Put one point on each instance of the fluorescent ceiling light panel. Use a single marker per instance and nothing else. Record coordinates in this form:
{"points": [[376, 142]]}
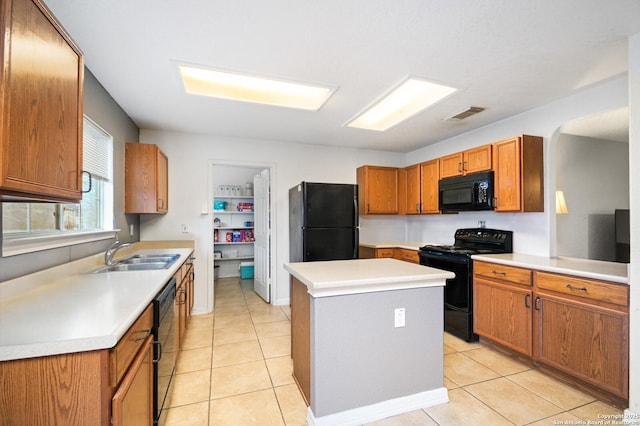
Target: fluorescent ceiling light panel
{"points": [[248, 88], [408, 99]]}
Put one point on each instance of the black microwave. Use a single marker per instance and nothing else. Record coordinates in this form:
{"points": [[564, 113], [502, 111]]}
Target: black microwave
{"points": [[466, 193]]}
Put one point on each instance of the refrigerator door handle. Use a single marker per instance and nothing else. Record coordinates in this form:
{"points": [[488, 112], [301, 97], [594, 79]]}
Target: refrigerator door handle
{"points": [[356, 229], [356, 243], [355, 212]]}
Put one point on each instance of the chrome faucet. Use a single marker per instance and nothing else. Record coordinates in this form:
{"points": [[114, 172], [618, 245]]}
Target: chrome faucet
{"points": [[112, 250]]}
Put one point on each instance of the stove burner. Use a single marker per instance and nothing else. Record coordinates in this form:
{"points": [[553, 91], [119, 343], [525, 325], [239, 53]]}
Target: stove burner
{"points": [[475, 241]]}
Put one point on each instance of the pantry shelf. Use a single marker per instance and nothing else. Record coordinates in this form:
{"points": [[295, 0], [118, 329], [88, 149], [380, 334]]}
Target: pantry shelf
{"points": [[233, 232]]}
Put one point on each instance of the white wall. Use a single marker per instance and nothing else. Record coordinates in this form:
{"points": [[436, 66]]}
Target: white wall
{"points": [[190, 192], [594, 176]]}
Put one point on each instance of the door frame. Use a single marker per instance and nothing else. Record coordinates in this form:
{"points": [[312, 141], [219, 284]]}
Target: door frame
{"points": [[272, 212]]}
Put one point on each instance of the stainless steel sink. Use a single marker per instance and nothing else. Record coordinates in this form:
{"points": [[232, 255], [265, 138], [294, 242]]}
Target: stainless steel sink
{"points": [[141, 262], [149, 259], [118, 267]]}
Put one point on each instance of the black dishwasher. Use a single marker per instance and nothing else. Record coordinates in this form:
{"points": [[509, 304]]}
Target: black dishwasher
{"points": [[165, 345]]}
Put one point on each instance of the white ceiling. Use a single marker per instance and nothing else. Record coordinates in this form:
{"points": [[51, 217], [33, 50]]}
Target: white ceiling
{"points": [[508, 56]]}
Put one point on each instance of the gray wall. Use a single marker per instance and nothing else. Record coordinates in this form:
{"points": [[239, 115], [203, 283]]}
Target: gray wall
{"points": [[101, 108], [594, 175], [359, 358]]}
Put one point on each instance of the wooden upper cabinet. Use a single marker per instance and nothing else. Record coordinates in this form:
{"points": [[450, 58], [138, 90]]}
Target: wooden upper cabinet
{"points": [[377, 189], [411, 203], [419, 188], [430, 174], [466, 162], [41, 105], [519, 174], [451, 165], [146, 179]]}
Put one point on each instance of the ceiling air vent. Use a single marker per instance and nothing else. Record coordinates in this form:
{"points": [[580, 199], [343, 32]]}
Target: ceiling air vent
{"points": [[464, 114]]}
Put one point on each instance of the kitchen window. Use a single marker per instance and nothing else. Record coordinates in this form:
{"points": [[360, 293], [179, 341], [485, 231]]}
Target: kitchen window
{"points": [[28, 227]]}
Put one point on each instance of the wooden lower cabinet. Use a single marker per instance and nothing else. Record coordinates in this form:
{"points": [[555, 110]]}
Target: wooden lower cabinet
{"points": [[375, 253], [582, 328], [182, 301], [503, 313], [301, 337], [575, 325], [407, 255], [393, 252], [585, 341], [80, 388], [132, 404]]}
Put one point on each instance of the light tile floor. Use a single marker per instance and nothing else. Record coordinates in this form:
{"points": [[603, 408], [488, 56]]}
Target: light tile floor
{"points": [[236, 370]]}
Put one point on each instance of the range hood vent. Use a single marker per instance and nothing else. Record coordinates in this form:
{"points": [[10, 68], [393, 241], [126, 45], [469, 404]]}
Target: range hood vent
{"points": [[464, 114]]}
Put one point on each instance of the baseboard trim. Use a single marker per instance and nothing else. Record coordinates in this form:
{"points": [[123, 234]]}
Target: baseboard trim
{"points": [[381, 410]]}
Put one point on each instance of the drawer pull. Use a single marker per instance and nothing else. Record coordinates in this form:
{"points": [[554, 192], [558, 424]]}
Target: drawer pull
{"points": [[499, 273], [570, 287], [146, 333]]}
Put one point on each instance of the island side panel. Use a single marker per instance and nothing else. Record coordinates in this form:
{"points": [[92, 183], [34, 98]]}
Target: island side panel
{"points": [[358, 356], [300, 339]]}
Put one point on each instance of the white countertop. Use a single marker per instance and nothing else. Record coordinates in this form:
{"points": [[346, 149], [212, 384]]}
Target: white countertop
{"points": [[67, 309], [607, 271], [341, 277]]}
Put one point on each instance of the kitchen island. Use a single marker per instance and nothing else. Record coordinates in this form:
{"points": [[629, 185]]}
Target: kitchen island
{"points": [[366, 338]]}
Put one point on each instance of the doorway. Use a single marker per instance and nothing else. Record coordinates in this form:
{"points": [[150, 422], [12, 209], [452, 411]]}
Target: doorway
{"points": [[243, 234], [592, 174]]}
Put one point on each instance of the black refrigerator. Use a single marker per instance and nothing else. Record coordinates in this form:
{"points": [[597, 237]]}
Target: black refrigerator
{"points": [[323, 222]]}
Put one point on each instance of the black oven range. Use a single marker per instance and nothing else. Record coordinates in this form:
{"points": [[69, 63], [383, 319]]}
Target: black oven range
{"points": [[458, 293]]}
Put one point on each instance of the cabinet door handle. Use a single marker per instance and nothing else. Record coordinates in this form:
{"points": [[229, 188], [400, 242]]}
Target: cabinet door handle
{"points": [[159, 346], [90, 181], [537, 305], [463, 165], [527, 301], [504, 274], [570, 287], [459, 167], [184, 300], [418, 207]]}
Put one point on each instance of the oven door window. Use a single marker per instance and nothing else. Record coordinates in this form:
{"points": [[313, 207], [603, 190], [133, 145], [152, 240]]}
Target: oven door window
{"points": [[457, 291]]}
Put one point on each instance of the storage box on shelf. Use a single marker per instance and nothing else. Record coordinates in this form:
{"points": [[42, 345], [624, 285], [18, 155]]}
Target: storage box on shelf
{"points": [[233, 233]]}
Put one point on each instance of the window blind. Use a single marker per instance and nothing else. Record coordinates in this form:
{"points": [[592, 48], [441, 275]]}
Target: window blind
{"points": [[97, 151]]}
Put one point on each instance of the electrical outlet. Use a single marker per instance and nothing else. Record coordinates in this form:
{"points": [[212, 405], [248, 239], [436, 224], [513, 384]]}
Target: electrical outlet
{"points": [[184, 228], [399, 317]]}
